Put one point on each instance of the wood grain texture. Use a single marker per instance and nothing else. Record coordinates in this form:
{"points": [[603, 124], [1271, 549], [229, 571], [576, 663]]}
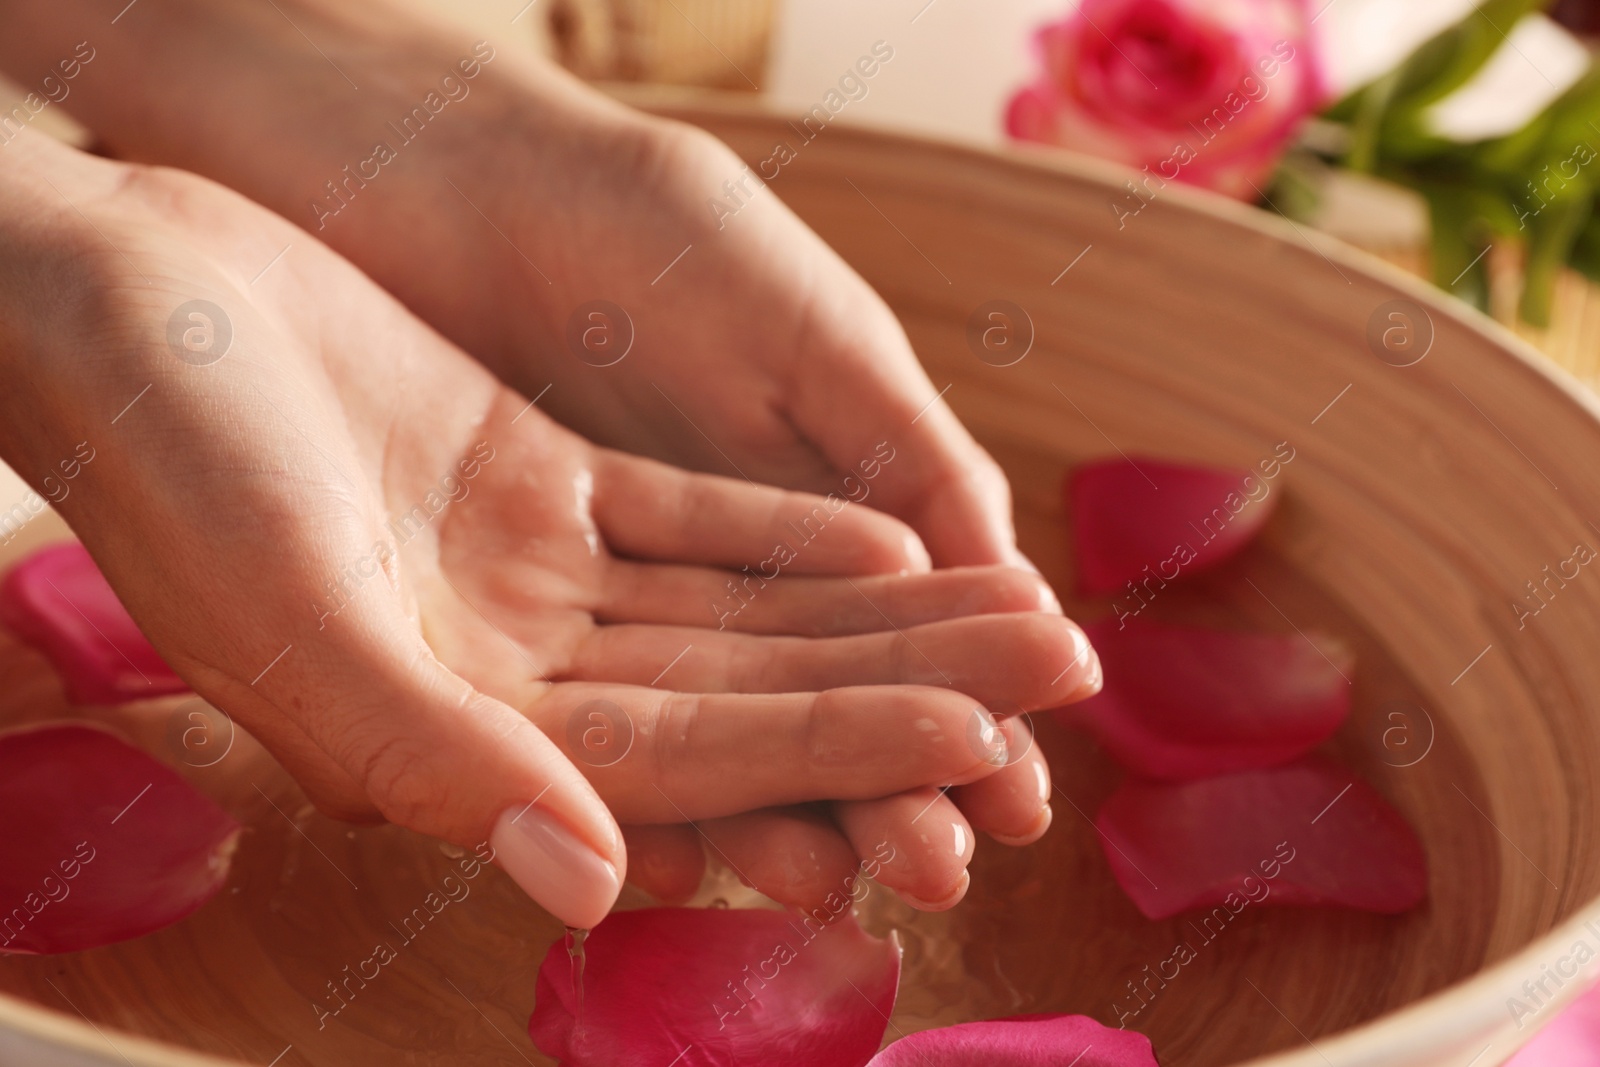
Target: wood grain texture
{"points": [[1419, 502]]}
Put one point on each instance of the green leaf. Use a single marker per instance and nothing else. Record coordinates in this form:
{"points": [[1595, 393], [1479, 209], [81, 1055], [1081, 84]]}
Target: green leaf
{"points": [[1437, 68], [1447, 60], [1366, 122], [1458, 242], [1551, 237], [1296, 185], [1585, 256], [1550, 137]]}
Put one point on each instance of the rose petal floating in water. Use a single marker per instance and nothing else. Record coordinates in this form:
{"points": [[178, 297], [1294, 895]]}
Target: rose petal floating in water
{"points": [[100, 842], [1182, 703], [1024, 1041], [700, 987], [58, 601], [1309, 832], [1572, 1039], [1174, 519]]}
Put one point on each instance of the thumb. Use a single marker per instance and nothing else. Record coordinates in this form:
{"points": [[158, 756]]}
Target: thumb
{"points": [[437, 756], [431, 753]]}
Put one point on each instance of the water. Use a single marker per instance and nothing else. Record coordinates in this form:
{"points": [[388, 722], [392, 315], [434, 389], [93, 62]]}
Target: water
{"points": [[574, 941]]}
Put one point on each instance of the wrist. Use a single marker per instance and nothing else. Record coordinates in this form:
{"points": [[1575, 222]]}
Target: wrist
{"points": [[53, 371]]}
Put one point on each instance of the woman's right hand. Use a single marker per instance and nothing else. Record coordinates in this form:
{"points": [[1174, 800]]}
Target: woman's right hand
{"points": [[344, 532]]}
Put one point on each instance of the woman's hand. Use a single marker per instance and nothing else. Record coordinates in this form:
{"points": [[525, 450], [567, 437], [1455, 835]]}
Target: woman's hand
{"points": [[343, 531], [499, 199]]}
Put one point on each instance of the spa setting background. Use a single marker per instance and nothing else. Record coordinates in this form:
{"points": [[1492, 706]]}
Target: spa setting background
{"points": [[1303, 179], [957, 64]]}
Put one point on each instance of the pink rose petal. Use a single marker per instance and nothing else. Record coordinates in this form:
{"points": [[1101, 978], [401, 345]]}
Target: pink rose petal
{"points": [[58, 601], [1024, 1041], [698, 987], [1148, 522], [1182, 703], [100, 842], [1309, 832], [1030, 115], [1572, 1039]]}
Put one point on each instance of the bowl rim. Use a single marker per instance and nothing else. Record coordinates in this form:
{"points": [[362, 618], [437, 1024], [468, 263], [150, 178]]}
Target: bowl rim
{"points": [[1447, 1022], [1444, 1021]]}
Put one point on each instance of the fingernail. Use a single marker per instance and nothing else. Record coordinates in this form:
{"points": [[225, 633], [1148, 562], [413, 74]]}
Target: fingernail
{"points": [[949, 901], [1087, 662], [987, 739], [1030, 835], [566, 877], [917, 553], [1095, 681]]}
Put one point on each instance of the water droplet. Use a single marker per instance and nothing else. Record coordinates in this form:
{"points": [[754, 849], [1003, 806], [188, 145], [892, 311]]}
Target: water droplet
{"points": [[574, 941]]}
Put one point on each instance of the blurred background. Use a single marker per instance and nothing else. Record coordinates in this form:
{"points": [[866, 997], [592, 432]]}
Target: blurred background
{"points": [[1460, 141]]}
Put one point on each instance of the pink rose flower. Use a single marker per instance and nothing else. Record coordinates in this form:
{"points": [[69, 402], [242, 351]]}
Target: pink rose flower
{"points": [[1201, 91]]}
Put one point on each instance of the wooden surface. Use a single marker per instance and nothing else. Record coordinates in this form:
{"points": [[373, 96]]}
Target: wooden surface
{"points": [[1419, 501]]}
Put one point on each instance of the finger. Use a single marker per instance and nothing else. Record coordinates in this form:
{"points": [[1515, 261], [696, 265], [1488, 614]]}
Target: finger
{"points": [[956, 496], [931, 473], [795, 855], [924, 841], [1012, 805], [657, 756], [649, 510], [814, 606], [1010, 663], [668, 862]]}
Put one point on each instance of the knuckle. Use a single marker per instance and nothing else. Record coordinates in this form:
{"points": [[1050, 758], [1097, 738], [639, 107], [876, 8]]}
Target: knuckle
{"points": [[1011, 590], [825, 746], [400, 780], [908, 665], [989, 480], [672, 732], [674, 155]]}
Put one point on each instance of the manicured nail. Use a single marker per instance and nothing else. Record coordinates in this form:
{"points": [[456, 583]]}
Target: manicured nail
{"points": [[1096, 679], [566, 877], [1032, 834], [1086, 661], [949, 901], [917, 553], [987, 738]]}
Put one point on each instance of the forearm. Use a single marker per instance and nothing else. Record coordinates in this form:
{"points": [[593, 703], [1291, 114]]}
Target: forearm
{"points": [[61, 381], [176, 80], [351, 119]]}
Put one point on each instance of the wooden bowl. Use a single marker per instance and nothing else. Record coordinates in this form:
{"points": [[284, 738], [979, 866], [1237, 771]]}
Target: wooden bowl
{"points": [[1438, 467]]}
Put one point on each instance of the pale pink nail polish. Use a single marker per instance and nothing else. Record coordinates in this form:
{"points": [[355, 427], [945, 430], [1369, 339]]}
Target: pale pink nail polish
{"points": [[917, 553], [1092, 677], [949, 901], [566, 877], [1030, 835]]}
